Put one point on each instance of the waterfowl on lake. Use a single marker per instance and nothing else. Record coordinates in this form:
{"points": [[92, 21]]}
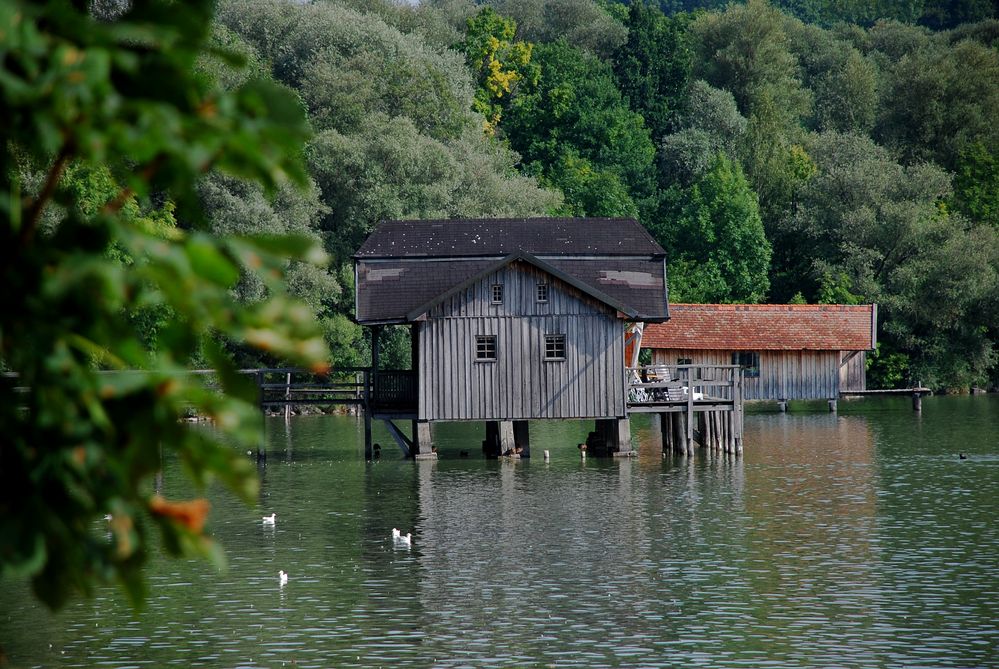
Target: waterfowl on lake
{"points": [[405, 539], [269, 520], [396, 533], [282, 577], [962, 456]]}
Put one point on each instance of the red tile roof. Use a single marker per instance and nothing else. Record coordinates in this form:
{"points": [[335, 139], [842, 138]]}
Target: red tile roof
{"points": [[781, 327]]}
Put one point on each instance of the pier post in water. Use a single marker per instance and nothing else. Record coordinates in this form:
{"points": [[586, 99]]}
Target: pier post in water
{"points": [[499, 438], [621, 429], [522, 437], [423, 443]]}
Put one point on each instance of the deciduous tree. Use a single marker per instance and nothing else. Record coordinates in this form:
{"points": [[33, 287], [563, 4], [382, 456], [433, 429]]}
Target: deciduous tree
{"points": [[79, 442]]}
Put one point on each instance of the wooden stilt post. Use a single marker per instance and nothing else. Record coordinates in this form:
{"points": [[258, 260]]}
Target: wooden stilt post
{"points": [[287, 397], [366, 410], [917, 402], [681, 433], [715, 431], [669, 432], [689, 446], [721, 431], [621, 428], [727, 422], [667, 429], [739, 416], [423, 445]]}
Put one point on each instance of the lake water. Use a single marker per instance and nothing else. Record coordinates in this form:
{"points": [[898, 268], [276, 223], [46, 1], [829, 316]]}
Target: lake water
{"points": [[856, 539]]}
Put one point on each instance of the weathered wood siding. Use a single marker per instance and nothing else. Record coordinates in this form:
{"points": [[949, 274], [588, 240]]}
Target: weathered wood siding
{"points": [[520, 384], [792, 375], [853, 370]]}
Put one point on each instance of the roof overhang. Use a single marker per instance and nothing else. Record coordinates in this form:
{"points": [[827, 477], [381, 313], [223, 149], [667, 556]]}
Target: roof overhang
{"points": [[628, 313]]}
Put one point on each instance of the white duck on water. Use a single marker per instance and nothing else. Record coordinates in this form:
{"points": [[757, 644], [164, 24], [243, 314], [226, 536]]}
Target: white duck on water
{"points": [[282, 577], [269, 520]]}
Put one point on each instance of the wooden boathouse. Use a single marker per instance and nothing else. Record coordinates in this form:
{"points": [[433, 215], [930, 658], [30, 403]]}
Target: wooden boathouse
{"points": [[787, 351], [511, 320]]}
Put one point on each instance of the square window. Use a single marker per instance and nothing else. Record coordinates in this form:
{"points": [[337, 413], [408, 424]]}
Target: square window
{"points": [[750, 362], [555, 347], [485, 347], [497, 293], [542, 292]]}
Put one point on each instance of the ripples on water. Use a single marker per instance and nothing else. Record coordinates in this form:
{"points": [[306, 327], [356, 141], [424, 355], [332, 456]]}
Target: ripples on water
{"points": [[857, 540]]}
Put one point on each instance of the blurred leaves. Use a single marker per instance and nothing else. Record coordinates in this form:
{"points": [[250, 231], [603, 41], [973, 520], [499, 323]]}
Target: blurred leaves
{"points": [[107, 126]]}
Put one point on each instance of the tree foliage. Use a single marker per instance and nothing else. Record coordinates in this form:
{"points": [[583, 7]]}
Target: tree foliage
{"points": [[399, 131], [582, 23], [106, 129], [577, 113], [720, 251], [653, 66], [878, 229], [501, 64]]}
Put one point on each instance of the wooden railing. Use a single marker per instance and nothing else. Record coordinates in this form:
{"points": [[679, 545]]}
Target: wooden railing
{"points": [[283, 386], [664, 384], [394, 391]]}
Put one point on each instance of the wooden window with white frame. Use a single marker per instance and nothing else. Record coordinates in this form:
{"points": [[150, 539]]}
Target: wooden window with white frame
{"points": [[497, 293], [542, 292], [554, 347], [485, 348]]}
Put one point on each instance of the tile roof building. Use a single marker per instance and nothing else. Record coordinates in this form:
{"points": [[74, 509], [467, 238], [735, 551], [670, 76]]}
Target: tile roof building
{"points": [[789, 351]]}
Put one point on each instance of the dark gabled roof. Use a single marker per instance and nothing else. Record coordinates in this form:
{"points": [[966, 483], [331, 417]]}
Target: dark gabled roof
{"points": [[765, 327], [543, 266], [406, 266], [503, 236]]}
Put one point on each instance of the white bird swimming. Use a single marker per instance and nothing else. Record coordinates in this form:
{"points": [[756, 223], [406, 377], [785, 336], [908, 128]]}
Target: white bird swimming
{"points": [[269, 520], [282, 577], [396, 533], [405, 539]]}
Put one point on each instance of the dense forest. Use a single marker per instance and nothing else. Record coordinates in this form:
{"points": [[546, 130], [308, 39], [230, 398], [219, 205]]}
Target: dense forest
{"points": [[802, 151], [794, 151]]}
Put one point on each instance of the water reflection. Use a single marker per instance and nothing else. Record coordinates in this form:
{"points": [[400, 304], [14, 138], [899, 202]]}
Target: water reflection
{"points": [[837, 540]]}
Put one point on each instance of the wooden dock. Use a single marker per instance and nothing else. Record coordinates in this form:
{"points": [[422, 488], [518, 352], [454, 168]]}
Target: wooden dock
{"points": [[916, 394], [695, 403]]}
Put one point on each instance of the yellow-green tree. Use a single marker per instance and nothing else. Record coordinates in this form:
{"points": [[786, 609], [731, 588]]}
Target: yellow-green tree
{"points": [[500, 63]]}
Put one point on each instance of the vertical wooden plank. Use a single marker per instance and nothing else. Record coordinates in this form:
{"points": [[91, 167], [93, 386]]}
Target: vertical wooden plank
{"points": [[568, 388], [535, 371], [462, 384], [428, 399], [516, 373], [510, 389], [447, 373]]}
